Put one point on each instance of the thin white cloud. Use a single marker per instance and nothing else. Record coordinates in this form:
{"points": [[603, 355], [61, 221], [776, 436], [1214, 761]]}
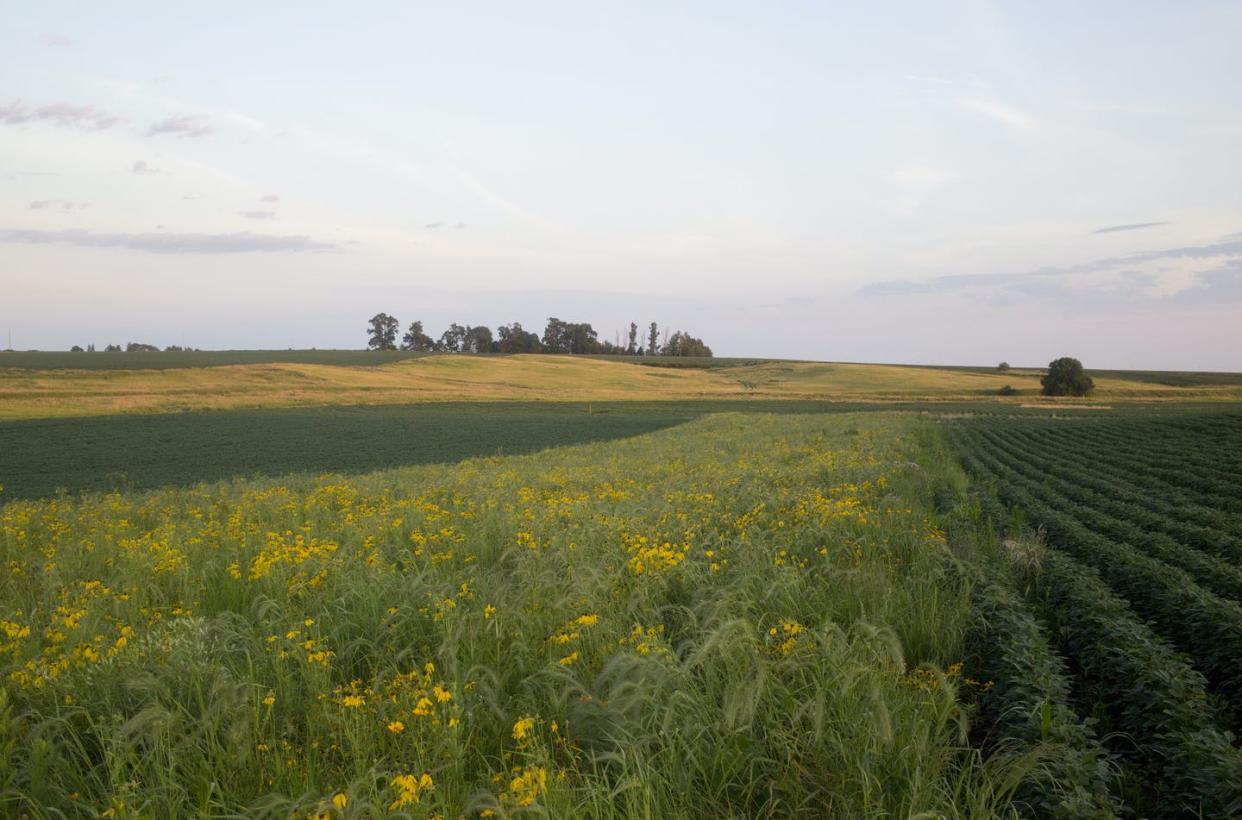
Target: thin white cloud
{"points": [[269, 198], [182, 126], [1006, 114], [65, 115], [143, 167], [57, 204], [258, 214], [1209, 273], [914, 183], [1134, 226], [57, 41], [169, 243]]}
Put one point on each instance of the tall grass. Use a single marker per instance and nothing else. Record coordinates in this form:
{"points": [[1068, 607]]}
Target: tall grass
{"points": [[743, 616]]}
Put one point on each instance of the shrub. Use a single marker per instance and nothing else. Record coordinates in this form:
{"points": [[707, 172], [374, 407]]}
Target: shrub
{"points": [[1008, 390], [1066, 377]]}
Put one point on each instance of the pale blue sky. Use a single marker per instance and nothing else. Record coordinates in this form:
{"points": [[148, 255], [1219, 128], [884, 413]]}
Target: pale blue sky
{"points": [[942, 183]]}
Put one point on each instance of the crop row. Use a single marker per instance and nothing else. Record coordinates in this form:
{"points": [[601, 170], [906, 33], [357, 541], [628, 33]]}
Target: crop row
{"points": [[1152, 694], [1217, 569], [1147, 688], [1126, 448], [1148, 446], [1217, 511], [1027, 705], [1201, 623]]}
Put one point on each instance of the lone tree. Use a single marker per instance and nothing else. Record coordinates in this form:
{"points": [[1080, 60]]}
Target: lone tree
{"points": [[1003, 366], [653, 339], [1066, 378], [383, 329]]}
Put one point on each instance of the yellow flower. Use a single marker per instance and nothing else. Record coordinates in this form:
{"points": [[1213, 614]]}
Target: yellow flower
{"points": [[526, 785], [396, 727], [522, 728], [339, 799], [442, 695], [488, 612], [423, 707], [569, 659], [353, 701], [269, 700], [408, 789]]}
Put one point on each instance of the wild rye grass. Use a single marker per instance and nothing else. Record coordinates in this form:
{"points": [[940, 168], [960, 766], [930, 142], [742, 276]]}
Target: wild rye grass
{"points": [[742, 616]]}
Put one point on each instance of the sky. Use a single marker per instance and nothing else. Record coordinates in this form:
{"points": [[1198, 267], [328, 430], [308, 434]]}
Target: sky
{"points": [[942, 183]]}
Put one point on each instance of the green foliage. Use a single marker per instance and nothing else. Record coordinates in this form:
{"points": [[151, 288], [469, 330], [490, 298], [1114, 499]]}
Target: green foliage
{"points": [[1008, 390], [749, 616], [513, 339], [570, 337], [1141, 521], [141, 452], [382, 330], [1025, 702], [1152, 693], [683, 344], [416, 339], [1066, 377]]}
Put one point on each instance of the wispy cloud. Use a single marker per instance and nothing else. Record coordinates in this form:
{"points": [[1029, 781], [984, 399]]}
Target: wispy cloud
{"points": [[1131, 227], [269, 198], [182, 126], [258, 214], [914, 183], [170, 243], [1184, 274], [59, 204], [143, 167], [57, 41], [66, 115], [1002, 113]]}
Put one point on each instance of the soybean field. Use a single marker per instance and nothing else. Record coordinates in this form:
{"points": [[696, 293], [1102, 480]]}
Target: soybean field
{"points": [[1109, 622]]}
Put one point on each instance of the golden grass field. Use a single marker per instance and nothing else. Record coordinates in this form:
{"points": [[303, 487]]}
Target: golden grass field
{"points": [[65, 393]]}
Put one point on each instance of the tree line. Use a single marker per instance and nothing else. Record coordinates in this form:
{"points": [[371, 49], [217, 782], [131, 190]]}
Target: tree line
{"points": [[558, 337], [131, 347]]}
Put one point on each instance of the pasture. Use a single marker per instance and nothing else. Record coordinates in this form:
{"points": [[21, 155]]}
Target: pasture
{"points": [[44, 393]]}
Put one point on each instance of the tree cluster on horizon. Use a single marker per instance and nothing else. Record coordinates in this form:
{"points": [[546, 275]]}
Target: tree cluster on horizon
{"points": [[558, 337]]}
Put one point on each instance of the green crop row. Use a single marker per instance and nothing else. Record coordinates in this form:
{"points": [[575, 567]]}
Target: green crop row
{"points": [[1114, 519], [1203, 624], [1026, 706], [1153, 695], [1211, 509]]}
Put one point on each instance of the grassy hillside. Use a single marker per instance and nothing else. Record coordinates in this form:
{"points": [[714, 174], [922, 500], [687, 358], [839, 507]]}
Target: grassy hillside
{"points": [[50, 393]]}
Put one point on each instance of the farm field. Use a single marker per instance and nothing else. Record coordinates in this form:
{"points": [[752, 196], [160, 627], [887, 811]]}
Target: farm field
{"points": [[45, 393], [760, 588], [746, 614], [1111, 613], [145, 451]]}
